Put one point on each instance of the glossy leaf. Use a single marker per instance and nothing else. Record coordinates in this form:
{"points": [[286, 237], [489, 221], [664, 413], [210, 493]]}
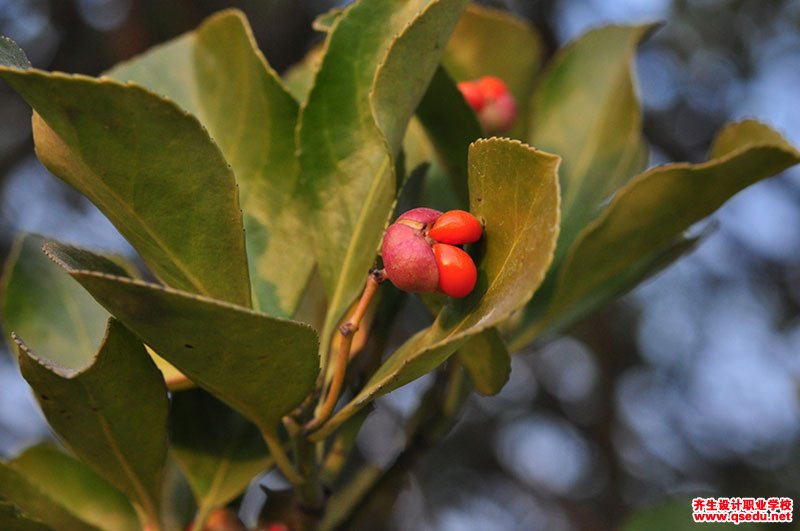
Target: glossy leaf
{"points": [[12, 518], [586, 110], [514, 190], [217, 449], [491, 42], [31, 503], [260, 365], [76, 488], [370, 81], [218, 74], [100, 412], [142, 160], [487, 361]]}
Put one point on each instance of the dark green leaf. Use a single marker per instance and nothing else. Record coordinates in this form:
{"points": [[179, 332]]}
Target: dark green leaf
{"points": [[487, 361], [100, 413], [260, 365], [76, 488], [378, 61], [451, 126], [514, 190], [218, 74], [12, 518], [218, 450], [586, 110], [34, 504], [490, 42], [143, 161]]}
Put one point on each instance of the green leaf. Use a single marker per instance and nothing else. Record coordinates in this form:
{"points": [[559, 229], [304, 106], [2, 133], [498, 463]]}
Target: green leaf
{"points": [[12, 518], [487, 362], [647, 215], [514, 190], [451, 126], [586, 110], [217, 449], [42, 303], [260, 365], [76, 488], [112, 414], [378, 61], [218, 74], [490, 42], [299, 78], [143, 161], [29, 501]]}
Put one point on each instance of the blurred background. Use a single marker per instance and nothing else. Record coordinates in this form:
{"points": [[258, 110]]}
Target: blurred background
{"points": [[687, 386]]}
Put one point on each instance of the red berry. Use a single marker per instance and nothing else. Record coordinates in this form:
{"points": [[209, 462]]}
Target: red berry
{"points": [[456, 227], [473, 94], [457, 272]]}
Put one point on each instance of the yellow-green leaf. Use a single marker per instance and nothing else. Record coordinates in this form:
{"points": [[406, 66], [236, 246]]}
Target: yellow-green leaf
{"points": [[219, 75], [378, 59], [649, 214], [262, 366], [75, 487], [40, 302], [142, 160], [100, 411], [586, 110]]}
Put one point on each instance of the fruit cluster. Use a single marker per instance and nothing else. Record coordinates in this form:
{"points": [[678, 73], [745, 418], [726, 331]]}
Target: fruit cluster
{"points": [[491, 100], [420, 252]]}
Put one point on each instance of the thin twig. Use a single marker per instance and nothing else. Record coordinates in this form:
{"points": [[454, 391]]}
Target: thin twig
{"points": [[281, 459], [348, 330]]}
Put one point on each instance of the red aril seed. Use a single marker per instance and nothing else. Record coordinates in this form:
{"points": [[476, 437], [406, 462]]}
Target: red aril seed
{"points": [[492, 87], [473, 94], [457, 272], [456, 227]]}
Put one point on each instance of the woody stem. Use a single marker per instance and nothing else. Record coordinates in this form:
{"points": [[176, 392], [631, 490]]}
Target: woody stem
{"points": [[348, 330]]}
